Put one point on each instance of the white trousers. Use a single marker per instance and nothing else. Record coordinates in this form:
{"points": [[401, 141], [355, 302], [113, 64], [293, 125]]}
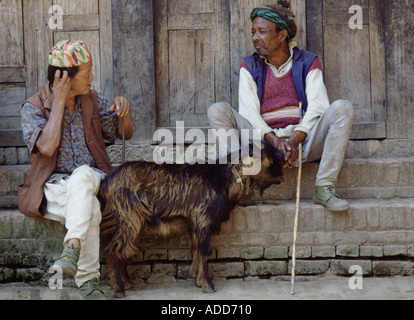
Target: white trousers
{"points": [[327, 141], [72, 201]]}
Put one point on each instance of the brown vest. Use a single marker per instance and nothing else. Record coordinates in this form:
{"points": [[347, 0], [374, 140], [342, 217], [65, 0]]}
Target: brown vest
{"points": [[31, 194]]}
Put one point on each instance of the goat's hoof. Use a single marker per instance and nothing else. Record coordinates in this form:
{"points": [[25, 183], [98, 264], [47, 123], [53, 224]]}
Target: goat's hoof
{"points": [[128, 285], [119, 295], [208, 290]]}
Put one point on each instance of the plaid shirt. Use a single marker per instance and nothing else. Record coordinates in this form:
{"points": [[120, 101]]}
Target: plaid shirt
{"points": [[73, 151]]}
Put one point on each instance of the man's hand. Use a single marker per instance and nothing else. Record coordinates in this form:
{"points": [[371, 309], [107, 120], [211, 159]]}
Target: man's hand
{"points": [[122, 105], [61, 87], [288, 148]]}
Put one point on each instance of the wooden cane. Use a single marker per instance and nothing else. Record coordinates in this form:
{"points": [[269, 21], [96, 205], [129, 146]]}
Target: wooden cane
{"points": [[123, 140], [298, 190]]}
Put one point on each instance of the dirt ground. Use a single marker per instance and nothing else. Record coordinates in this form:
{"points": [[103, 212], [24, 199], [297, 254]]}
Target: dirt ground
{"points": [[170, 289]]}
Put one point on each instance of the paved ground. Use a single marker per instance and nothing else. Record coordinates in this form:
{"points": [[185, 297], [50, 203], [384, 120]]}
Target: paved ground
{"points": [[307, 288]]}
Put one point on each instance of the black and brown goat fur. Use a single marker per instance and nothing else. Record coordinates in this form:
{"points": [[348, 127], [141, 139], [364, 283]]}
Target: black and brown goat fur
{"points": [[139, 194]]}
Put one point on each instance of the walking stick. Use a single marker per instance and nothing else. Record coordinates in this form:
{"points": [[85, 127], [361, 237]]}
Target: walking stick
{"points": [[123, 140], [298, 190]]}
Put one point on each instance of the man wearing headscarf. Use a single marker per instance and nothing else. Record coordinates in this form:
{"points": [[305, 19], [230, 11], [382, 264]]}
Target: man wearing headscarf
{"points": [[273, 83], [64, 126]]}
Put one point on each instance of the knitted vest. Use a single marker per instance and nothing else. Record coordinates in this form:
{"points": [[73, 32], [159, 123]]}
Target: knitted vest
{"points": [[302, 61], [31, 194]]}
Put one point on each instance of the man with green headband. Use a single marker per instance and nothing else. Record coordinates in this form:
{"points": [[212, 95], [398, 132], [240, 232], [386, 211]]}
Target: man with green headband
{"points": [[274, 82]]}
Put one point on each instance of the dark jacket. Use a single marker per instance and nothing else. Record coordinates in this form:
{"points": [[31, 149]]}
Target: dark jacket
{"points": [[31, 194]]}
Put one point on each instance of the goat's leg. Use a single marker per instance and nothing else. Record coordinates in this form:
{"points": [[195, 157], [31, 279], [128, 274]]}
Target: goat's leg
{"points": [[193, 273], [126, 279], [114, 265], [204, 280], [203, 251]]}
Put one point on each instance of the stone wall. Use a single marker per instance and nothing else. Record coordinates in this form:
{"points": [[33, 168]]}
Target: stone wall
{"points": [[376, 235]]}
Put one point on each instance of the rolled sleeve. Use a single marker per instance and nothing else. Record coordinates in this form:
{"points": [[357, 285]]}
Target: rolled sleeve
{"points": [[33, 122]]}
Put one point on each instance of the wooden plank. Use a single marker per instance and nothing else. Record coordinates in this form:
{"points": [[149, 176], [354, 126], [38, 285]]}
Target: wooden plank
{"points": [[221, 47], [299, 10], [11, 26], [182, 71], [38, 40], [190, 119], [342, 17], [377, 53], [161, 67], [369, 130], [204, 77], [73, 7], [347, 72], [399, 60], [193, 72], [12, 74], [133, 43], [80, 22], [105, 34], [187, 134], [344, 4], [189, 7], [195, 21], [315, 29]]}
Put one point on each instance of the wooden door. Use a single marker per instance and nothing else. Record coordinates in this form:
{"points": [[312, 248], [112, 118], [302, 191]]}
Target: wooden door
{"points": [[353, 59], [192, 63], [12, 71], [241, 44], [90, 21], [199, 46], [29, 37]]}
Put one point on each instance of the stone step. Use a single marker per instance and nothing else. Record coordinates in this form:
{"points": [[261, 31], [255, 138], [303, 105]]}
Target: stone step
{"points": [[255, 237], [359, 178]]}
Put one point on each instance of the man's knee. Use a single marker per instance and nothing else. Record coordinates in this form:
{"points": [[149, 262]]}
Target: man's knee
{"points": [[344, 108], [85, 177], [218, 110]]}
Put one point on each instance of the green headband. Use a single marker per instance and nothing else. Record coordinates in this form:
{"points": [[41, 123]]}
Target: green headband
{"points": [[272, 16]]}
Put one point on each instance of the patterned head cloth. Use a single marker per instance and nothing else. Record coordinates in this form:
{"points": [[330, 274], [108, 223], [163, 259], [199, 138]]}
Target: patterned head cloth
{"points": [[68, 54], [269, 14]]}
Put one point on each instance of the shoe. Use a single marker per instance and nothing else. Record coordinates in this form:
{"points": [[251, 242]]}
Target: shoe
{"points": [[327, 197], [68, 261], [90, 291]]}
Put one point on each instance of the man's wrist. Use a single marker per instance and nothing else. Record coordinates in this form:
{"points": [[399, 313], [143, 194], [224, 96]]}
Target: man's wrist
{"points": [[269, 136]]}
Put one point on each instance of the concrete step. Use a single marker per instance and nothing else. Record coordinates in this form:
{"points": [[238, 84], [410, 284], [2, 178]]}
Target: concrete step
{"points": [[382, 178], [377, 234]]}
